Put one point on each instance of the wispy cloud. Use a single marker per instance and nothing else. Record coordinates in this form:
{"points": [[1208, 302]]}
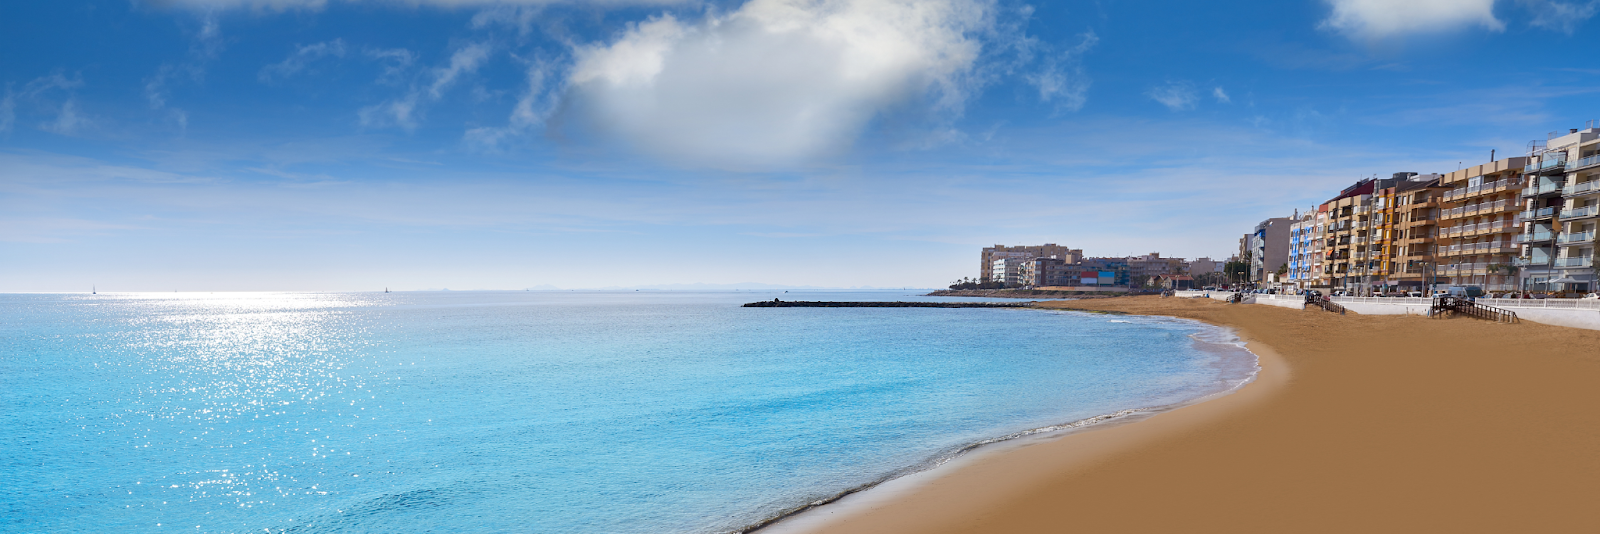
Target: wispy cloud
{"points": [[46, 92], [1383, 19], [1061, 79], [1220, 95], [535, 105], [404, 111], [1560, 16], [1176, 96], [396, 61], [301, 58]]}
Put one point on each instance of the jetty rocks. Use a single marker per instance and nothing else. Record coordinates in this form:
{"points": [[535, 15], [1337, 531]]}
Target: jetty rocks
{"points": [[775, 303]]}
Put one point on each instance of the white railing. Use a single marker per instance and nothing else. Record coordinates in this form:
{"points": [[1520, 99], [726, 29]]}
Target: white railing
{"points": [[1570, 304]]}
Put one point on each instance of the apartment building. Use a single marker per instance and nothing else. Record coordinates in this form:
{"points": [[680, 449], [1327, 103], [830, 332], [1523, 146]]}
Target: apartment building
{"points": [[1345, 243], [1269, 248], [1478, 222], [1416, 214], [1576, 156], [1204, 265], [1304, 264], [1020, 253], [1041, 272], [1152, 265]]}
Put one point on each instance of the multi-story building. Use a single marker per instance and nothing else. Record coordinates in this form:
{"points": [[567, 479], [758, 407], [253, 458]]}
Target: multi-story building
{"points": [[1026, 252], [1041, 272], [1478, 222], [1204, 265], [1149, 266], [1118, 267], [1269, 248], [1416, 214], [1576, 155], [1303, 260]]}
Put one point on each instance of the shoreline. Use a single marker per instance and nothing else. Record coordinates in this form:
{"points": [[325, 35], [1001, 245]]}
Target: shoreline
{"points": [[821, 513], [1354, 424]]}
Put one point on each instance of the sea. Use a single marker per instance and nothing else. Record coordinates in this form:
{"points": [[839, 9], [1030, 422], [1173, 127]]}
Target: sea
{"points": [[535, 411]]}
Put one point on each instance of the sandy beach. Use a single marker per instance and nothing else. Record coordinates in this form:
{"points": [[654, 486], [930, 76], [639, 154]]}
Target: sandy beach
{"points": [[1355, 424]]}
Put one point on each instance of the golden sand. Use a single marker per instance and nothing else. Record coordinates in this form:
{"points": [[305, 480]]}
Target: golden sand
{"points": [[1355, 424]]}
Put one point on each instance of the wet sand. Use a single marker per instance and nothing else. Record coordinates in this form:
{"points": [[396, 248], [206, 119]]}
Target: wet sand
{"points": [[1355, 424]]}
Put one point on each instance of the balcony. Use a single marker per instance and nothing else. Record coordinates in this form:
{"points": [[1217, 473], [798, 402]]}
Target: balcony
{"points": [[1574, 262], [1580, 213], [1541, 190], [1541, 213], [1584, 163], [1581, 188], [1584, 237], [1556, 165], [1535, 237]]}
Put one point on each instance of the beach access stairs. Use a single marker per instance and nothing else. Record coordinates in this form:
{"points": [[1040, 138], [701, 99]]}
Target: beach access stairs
{"points": [[1448, 306]]}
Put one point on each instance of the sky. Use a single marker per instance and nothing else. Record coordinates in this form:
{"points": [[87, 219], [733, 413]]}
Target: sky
{"points": [[352, 145]]}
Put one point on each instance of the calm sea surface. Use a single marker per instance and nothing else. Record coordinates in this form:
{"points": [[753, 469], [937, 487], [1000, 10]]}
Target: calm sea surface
{"points": [[605, 412]]}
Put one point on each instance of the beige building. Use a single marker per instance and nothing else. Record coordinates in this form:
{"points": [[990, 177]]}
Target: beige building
{"points": [[1576, 157], [1027, 252], [1478, 224]]}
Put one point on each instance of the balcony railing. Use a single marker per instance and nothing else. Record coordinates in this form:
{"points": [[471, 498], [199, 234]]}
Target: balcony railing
{"points": [[1584, 163], [1584, 237], [1573, 189], [1534, 237], [1541, 189], [1574, 262], [1538, 213], [1586, 211]]}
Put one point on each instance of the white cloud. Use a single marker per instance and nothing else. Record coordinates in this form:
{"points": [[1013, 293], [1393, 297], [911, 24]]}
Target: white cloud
{"points": [[284, 5], [778, 80], [1379, 19], [395, 62], [1176, 96], [404, 111], [1221, 96], [1062, 80], [464, 61], [68, 121], [302, 56], [533, 107], [1561, 16]]}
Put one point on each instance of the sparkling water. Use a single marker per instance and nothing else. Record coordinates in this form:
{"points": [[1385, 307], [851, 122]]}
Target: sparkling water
{"points": [[607, 412]]}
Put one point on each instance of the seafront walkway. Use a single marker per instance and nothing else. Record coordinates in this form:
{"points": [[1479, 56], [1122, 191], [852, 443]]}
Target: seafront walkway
{"points": [[1575, 313]]}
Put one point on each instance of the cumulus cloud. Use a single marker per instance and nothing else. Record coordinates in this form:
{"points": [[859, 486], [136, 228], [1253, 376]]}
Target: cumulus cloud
{"points": [[404, 111], [777, 80], [1564, 17], [1380, 19], [1176, 96], [302, 57], [1221, 96]]}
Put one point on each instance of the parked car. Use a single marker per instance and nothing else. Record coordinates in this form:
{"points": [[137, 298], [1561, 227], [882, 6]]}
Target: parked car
{"points": [[1464, 291]]}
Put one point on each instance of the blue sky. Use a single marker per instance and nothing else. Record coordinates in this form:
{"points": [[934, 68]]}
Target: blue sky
{"points": [[208, 145]]}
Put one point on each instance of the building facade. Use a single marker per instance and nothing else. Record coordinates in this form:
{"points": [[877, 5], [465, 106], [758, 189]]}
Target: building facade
{"points": [[1269, 248], [1026, 252], [1478, 224], [1577, 156]]}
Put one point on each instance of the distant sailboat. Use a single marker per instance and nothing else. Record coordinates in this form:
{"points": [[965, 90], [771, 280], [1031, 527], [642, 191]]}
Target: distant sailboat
{"points": [[93, 290], [386, 290]]}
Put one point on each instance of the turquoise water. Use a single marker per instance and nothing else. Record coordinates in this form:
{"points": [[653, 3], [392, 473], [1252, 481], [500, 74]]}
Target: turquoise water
{"points": [[613, 412]]}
